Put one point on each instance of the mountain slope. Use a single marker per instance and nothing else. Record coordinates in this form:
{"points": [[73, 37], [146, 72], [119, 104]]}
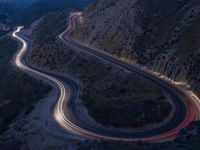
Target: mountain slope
{"points": [[163, 35]]}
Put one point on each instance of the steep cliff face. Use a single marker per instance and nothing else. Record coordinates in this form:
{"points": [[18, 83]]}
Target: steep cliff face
{"points": [[170, 44], [113, 25], [161, 34]]}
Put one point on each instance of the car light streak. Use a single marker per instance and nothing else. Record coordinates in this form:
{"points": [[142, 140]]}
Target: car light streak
{"points": [[59, 115], [192, 107], [62, 117]]}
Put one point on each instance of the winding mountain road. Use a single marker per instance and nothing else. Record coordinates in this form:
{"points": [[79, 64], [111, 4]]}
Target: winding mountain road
{"points": [[65, 113]]}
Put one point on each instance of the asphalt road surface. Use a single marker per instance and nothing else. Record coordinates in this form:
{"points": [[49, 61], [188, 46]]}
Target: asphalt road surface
{"points": [[65, 112]]}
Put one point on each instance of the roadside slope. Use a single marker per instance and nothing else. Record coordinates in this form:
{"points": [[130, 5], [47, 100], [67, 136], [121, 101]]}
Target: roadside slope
{"points": [[161, 35]]}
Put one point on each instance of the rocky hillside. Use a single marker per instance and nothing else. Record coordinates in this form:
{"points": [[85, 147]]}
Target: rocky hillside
{"points": [[161, 34]]}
